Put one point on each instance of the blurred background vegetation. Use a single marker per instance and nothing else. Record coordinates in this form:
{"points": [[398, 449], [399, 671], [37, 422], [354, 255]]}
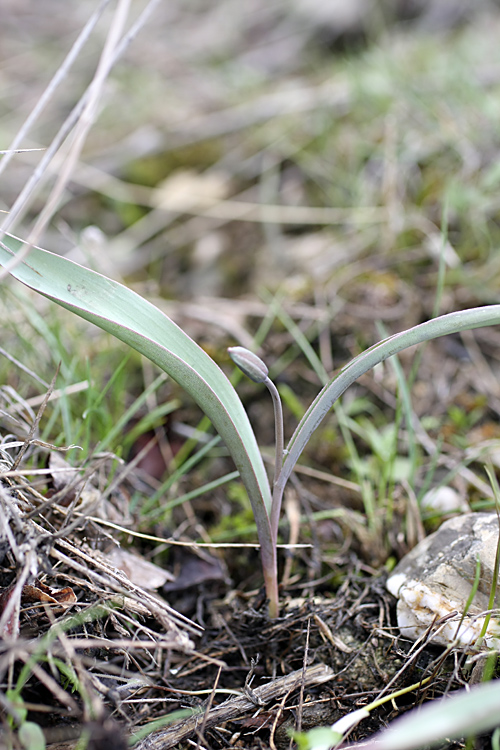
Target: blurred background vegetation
{"points": [[297, 177]]}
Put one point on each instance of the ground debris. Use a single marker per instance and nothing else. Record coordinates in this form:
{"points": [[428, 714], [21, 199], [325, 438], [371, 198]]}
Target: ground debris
{"points": [[238, 706], [75, 625]]}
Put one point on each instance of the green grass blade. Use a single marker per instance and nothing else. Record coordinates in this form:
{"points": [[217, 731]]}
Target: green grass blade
{"points": [[452, 323], [120, 311]]}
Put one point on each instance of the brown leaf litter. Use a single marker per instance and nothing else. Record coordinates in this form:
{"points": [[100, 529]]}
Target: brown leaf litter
{"points": [[88, 644]]}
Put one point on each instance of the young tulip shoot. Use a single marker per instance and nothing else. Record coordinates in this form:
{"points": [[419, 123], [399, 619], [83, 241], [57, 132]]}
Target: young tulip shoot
{"points": [[129, 317], [255, 369]]}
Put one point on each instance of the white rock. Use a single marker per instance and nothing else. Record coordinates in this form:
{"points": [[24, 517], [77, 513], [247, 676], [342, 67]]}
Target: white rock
{"points": [[434, 581]]}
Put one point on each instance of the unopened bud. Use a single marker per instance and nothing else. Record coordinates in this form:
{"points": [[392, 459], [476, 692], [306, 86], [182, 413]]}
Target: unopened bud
{"points": [[249, 363]]}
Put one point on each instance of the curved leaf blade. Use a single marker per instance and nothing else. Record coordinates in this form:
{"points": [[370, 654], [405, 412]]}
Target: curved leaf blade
{"points": [[452, 323], [132, 319]]}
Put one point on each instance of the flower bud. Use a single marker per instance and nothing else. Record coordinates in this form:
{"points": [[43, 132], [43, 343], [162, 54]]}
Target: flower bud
{"points": [[249, 363]]}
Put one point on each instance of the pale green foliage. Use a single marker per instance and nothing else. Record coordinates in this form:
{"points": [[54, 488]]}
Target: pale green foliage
{"points": [[31, 736], [129, 317]]}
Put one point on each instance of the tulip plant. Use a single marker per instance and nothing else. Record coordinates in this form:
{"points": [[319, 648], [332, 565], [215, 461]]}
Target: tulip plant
{"points": [[120, 311]]}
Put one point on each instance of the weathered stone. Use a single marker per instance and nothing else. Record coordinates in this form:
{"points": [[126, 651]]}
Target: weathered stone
{"points": [[434, 582]]}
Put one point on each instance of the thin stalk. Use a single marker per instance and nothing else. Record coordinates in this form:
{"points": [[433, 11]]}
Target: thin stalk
{"points": [[269, 560], [278, 458], [267, 524], [278, 491], [278, 428]]}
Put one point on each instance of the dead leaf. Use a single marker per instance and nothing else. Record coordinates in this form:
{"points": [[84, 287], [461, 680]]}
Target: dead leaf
{"points": [[45, 595], [141, 572]]}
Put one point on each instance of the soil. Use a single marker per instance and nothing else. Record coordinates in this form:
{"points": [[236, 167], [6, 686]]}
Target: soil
{"points": [[245, 681]]}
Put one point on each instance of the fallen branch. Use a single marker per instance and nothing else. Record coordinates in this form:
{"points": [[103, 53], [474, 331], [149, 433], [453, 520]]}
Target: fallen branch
{"points": [[236, 707]]}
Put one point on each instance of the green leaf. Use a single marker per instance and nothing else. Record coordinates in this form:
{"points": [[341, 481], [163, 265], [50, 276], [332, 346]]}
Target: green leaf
{"points": [[123, 313], [319, 738], [31, 736], [324, 738], [453, 323]]}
